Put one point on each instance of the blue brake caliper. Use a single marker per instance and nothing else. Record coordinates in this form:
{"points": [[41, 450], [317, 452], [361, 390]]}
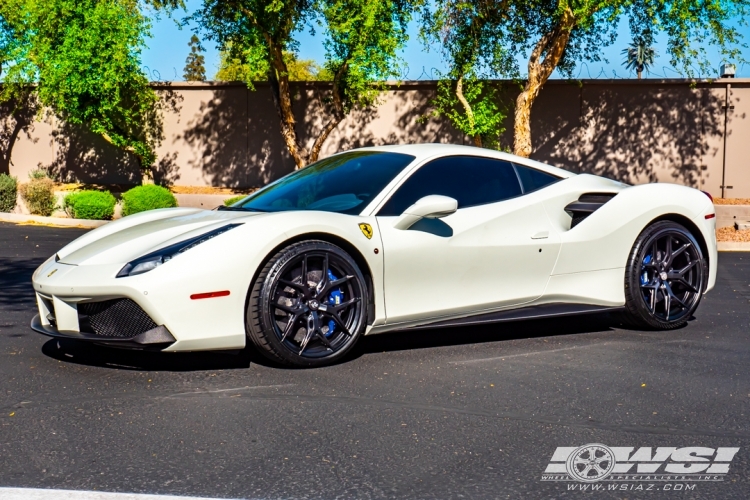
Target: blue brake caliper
{"points": [[644, 276], [335, 298]]}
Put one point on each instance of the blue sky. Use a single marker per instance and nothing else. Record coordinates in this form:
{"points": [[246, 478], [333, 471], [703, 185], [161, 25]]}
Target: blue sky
{"points": [[165, 57]]}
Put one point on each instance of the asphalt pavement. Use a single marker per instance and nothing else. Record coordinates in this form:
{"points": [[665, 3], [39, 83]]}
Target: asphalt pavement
{"points": [[453, 413]]}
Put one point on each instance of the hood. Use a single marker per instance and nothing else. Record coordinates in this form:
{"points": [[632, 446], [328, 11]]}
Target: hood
{"points": [[130, 237]]}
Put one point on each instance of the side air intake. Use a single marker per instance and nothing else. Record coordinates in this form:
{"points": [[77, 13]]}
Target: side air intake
{"points": [[586, 205]]}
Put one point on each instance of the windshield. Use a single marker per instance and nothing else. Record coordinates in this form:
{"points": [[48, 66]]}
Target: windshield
{"points": [[343, 183]]}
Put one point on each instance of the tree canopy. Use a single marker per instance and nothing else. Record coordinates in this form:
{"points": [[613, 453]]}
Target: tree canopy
{"points": [[362, 38], [195, 69], [557, 34], [83, 59], [232, 68]]}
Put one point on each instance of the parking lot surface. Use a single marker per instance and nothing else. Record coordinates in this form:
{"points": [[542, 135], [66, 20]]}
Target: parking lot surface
{"points": [[453, 413]]}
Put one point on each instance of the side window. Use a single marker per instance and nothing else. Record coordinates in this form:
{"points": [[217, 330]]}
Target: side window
{"points": [[470, 180], [533, 179]]}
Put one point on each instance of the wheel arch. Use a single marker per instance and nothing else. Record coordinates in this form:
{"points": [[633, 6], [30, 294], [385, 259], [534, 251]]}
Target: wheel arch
{"points": [[352, 250], [690, 226]]}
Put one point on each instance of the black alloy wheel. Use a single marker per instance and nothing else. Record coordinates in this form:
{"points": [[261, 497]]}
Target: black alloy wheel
{"points": [[665, 277], [308, 305]]}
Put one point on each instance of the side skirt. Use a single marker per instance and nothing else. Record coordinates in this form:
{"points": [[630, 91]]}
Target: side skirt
{"points": [[530, 312]]}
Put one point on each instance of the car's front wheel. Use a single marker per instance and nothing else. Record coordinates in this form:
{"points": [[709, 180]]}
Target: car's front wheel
{"points": [[665, 277], [308, 305]]}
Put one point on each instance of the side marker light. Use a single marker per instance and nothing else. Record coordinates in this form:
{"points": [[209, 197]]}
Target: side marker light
{"points": [[710, 216], [209, 295]]}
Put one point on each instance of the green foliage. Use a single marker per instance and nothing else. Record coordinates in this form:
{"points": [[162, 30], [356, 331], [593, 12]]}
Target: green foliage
{"points": [[84, 57], [95, 205], [482, 120], [639, 57], [39, 173], [362, 40], [195, 69], [234, 199], [8, 192], [39, 196], [148, 197], [233, 69]]}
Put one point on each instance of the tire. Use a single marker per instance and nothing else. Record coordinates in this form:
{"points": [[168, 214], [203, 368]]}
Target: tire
{"points": [[310, 322], [665, 277]]}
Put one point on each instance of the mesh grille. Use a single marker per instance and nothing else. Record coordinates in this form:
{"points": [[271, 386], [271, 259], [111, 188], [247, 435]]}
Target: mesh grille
{"points": [[119, 318]]}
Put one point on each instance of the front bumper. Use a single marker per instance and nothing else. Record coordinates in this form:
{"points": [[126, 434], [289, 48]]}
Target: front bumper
{"points": [[156, 338]]}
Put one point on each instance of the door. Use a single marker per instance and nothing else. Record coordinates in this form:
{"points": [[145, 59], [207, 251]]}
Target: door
{"points": [[498, 249]]}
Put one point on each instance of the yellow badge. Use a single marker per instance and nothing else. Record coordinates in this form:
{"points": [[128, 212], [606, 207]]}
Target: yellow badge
{"points": [[53, 272], [366, 230]]}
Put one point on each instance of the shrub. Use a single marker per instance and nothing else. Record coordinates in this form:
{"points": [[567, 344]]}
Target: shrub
{"points": [[38, 173], [96, 205], [39, 196], [234, 199], [8, 193], [148, 197]]}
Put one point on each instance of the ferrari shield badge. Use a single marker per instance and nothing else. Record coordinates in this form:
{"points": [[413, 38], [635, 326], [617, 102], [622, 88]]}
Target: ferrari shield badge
{"points": [[366, 230]]}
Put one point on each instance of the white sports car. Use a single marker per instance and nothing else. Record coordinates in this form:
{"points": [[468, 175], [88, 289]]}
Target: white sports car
{"points": [[380, 239]]}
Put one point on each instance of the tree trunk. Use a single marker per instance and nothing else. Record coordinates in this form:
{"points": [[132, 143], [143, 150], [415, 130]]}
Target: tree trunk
{"points": [[338, 114], [469, 112], [278, 77], [552, 46]]}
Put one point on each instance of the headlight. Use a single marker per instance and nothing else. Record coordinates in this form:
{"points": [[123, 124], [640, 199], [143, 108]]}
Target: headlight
{"points": [[162, 256]]}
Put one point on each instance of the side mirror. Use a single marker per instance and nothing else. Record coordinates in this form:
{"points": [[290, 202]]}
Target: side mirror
{"points": [[434, 206]]}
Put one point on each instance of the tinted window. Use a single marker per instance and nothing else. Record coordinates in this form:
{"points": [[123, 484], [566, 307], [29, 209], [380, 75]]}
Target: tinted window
{"points": [[343, 183], [533, 179], [470, 180]]}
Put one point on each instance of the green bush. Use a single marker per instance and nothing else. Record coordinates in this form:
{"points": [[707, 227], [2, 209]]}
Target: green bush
{"points": [[39, 196], [38, 173], [234, 199], [95, 205], [148, 197], [8, 193]]}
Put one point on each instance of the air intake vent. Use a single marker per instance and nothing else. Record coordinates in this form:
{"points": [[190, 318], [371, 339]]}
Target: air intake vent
{"points": [[118, 318], [586, 205]]}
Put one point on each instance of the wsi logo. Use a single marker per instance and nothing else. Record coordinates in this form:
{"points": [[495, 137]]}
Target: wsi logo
{"points": [[597, 462]]}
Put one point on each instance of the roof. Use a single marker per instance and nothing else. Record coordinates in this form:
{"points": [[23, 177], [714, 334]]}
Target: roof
{"points": [[435, 150]]}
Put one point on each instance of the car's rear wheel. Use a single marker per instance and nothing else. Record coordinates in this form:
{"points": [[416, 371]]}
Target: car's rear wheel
{"points": [[308, 305], [665, 277]]}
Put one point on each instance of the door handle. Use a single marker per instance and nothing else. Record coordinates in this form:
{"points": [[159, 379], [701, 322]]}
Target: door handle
{"points": [[540, 235]]}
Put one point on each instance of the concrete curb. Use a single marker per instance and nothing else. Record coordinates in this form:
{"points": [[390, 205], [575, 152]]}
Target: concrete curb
{"points": [[733, 246], [51, 221]]}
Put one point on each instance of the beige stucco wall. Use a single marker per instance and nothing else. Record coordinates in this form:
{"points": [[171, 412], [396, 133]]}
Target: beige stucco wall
{"points": [[226, 135]]}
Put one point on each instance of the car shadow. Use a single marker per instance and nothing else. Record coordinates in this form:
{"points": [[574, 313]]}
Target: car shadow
{"points": [[479, 334], [84, 353]]}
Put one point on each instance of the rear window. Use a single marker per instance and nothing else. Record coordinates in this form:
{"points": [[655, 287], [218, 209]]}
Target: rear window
{"points": [[533, 179]]}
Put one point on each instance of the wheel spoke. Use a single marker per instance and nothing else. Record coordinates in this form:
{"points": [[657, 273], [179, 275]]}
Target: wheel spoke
{"points": [[321, 336], [681, 272], [324, 276], [304, 272], [668, 255], [673, 296], [289, 326], [340, 307], [687, 285], [336, 318], [667, 304], [331, 285], [679, 251]]}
